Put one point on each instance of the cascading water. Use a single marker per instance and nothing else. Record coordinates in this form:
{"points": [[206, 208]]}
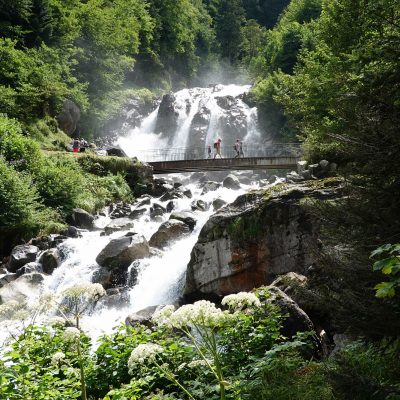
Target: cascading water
{"points": [[161, 275]]}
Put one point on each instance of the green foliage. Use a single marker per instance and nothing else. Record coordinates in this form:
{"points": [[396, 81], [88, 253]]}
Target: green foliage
{"points": [[364, 371], [27, 371], [388, 266]]}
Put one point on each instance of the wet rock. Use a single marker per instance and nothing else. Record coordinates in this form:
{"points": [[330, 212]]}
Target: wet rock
{"points": [[210, 187], [177, 185], [6, 279], [21, 255], [167, 117], [199, 205], [119, 224], [171, 206], [115, 298], [169, 232], [81, 219], [121, 252], [143, 201], [273, 179], [301, 166], [157, 210], [142, 317], [188, 193], [42, 242], [174, 194], [226, 102], [72, 232], [50, 260], [218, 203], [29, 268], [186, 217], [245, 180], [198, 177], [231, 182], [137, 213]]}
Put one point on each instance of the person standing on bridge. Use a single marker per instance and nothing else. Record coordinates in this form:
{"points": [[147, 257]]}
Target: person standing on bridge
{"points": [[209, 151], [237, 148], [241, 154], [217, 148]]}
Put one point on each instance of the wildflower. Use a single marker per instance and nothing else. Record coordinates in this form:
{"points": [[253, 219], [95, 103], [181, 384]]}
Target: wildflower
{"points": [[72, 334], [8, 309], [57, 358], [199, 363], [202, 313], [143, 352], [21, 315], [56, 321], [162, 315], [240, 300], [87, 291], [46, 302]]}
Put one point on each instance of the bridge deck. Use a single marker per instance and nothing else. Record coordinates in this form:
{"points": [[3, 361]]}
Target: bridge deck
{"points": [[251, 163]]}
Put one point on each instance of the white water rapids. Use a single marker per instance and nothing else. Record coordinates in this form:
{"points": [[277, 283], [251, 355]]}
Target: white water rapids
{"points": [[161, 276]]}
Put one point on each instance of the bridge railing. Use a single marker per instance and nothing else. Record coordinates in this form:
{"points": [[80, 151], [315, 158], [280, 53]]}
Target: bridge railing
{"points": [[201, 153]]}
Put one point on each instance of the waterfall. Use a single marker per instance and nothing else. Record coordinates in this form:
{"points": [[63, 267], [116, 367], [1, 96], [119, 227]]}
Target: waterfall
{"points": [[202, 115], [220, 112]]}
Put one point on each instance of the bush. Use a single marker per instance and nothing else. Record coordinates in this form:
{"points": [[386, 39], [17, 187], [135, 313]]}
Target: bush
{"points": [[22, 215], [366, 371]]}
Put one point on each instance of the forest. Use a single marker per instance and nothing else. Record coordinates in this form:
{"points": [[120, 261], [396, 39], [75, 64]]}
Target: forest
{"points": [[325, 73]]}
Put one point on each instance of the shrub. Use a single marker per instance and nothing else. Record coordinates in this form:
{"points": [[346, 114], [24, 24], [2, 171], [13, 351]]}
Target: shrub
{"points": [[22, 215]]}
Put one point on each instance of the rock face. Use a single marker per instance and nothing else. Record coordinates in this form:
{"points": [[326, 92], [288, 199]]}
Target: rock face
{"points": [[259, 236], [50, 260], [142, 317], [167, 118], [187, 217], [69, 117], [231, 182], [21, 255], [121, 252], [168, 232]]}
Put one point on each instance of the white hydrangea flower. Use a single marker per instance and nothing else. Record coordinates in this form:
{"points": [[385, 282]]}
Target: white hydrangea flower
{"points": [[57, 358], [143, 352], [200, 363], [162, 315], [56, 321], [71, 334], [240, 300]]}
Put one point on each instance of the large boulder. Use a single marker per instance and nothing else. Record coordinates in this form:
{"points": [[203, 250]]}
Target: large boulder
{"points": [[142, 317], [210, 186], [231, 182], [218, 203], [167, 117], [81, 218], [169, 232], [50, 260], [21, 255], [296, 319], [120, 253], [69, 117], [187, 217], [119, 224], [259, 236], [6, 279]]}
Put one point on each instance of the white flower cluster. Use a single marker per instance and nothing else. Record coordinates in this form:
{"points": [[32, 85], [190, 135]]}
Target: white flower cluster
{"points": [[143, 352], [8, 309], [57, 358], [71, 334], [162, 315], [46, 302], [200, 363], [89, 291], [56, 321], [240, 300], [201, 313]]}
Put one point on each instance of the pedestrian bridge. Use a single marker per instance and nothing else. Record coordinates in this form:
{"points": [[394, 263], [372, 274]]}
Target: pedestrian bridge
{"points": [[269, 156]]}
